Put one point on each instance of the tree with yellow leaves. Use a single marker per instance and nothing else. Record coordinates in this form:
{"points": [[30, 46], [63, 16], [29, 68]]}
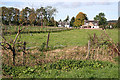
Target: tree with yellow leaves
{"points": [[79, 20]]}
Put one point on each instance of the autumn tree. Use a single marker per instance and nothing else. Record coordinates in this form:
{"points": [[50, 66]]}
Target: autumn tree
{"points": [[72, 21], [79, 20]]}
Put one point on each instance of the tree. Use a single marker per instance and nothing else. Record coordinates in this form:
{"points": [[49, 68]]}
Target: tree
{"points": [[27, 14], [72, 21], [51, 12], [101, 18], [16, 16], [22, 16], [12, 44], [32, 17], [41, 16], [10, 15], [67, 19], [79, 20], [45, 21], [60, 20], [51, 21], [4, 15]]}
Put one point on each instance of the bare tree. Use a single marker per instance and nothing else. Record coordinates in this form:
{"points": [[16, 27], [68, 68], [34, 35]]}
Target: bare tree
{"points": [[11, 45]]}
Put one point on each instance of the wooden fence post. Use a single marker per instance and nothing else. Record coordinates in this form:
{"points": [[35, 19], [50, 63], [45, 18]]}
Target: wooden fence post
{"points": [[48, 39], [88, 53], [97, 53], [14, 54], [24, 48]]}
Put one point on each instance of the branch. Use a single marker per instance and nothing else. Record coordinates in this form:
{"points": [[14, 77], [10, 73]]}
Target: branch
{"points": [[111, 41], [19, 30]]}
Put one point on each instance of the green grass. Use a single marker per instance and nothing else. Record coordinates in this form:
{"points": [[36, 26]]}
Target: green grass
{"points": [[77, 37], [65, 69]]}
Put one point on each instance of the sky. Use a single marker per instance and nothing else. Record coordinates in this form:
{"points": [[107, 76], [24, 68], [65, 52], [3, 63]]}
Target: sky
{"points": [[70, 7]]}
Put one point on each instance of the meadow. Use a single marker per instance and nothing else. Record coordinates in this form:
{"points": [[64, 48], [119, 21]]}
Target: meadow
{"points": [[76, 37], [65, 57]]}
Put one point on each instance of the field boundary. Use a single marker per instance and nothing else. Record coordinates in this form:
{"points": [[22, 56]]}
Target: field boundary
{"points": [[41, 31]]}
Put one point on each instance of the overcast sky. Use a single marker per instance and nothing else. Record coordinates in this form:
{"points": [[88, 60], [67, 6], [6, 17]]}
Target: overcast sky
{"points": [[70, 7]]}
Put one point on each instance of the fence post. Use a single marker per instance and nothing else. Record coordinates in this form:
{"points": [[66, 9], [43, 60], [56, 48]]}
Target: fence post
{"points": [[24, 47], [48, 39], [88, 53], [97, 52]]}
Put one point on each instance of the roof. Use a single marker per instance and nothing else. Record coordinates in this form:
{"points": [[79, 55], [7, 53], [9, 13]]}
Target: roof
{"points": [[91, 21], [112, 21]]}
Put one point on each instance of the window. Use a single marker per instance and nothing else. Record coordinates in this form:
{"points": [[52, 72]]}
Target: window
{"points": [[86, 24], [95, 23]]}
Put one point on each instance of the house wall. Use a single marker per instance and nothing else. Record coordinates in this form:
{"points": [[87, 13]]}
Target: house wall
{"points": [[59, 25], [90, 24], [67, 26], [94, 26]]}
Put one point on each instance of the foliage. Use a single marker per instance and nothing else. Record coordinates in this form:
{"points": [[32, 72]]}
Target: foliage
{"points": [[52, 22], [67, 19], [114, 25], [42, 48], [65, 69], [72, 21], [50, 11], [10, 15], [101, 18], [41, 16], [24, 15], [32, 16], [79, 20]]}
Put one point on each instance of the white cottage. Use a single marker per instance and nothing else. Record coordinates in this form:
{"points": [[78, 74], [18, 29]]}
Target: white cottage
{"points": [[64, 24], [90, 24]]}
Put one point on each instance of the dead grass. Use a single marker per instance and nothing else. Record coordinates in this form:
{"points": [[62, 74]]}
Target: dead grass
{"points": [[35, 57]]}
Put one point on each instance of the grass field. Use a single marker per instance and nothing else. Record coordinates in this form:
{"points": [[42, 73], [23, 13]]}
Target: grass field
{"points": [[77, 37]]}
